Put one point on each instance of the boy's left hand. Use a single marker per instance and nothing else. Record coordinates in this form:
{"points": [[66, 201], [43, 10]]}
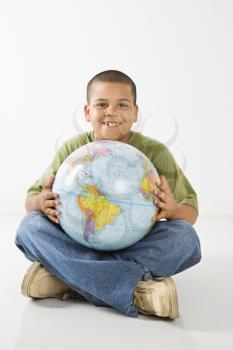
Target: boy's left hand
{"points": [[165, 202]]}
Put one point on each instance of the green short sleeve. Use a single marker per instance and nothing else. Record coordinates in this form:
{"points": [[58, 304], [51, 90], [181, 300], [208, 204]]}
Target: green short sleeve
{"points": [[52, 169]]}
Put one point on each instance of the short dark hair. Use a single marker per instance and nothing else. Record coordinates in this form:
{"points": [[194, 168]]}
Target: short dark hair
{"points": [[114, 76]]}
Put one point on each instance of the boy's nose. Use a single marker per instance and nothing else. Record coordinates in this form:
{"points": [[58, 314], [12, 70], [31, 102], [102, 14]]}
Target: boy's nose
{"points": [[110, 111]]}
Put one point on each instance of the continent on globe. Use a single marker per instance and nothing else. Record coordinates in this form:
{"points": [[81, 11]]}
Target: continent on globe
{"points": [[87, 157], [148, 185], [98, 211]]}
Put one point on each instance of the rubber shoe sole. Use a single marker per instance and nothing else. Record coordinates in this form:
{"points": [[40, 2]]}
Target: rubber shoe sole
{"points": [[157, 297]]}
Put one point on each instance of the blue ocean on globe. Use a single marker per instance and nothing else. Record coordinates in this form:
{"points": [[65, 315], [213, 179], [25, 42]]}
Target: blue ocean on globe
{"points": [[106, 190]]}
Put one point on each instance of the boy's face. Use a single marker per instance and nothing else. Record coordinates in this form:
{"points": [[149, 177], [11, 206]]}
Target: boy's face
{"points": [[111, 103]]}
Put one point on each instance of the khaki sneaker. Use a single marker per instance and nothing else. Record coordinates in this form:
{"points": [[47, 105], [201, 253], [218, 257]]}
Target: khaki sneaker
{"points": [[157, 297], [40, 283]]}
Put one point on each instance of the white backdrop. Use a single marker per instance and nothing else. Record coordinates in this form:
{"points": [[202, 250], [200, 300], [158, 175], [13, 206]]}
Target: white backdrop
{"points": [[179, 53]]}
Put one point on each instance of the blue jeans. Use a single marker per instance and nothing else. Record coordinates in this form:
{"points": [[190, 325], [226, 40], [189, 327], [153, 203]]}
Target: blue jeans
{"points": [[108, 278]]}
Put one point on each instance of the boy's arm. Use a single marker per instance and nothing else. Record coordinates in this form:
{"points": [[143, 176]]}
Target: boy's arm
{"points": [[185, 212]]}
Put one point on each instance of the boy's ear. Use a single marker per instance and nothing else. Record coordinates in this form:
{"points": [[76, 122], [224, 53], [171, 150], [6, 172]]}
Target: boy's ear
{"points": [[135, 113], [87, 113]]}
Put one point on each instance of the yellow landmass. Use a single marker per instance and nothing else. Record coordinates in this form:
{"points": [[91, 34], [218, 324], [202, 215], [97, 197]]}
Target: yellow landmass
{"points": [[147, 187], [91, 190], [104, 212]]}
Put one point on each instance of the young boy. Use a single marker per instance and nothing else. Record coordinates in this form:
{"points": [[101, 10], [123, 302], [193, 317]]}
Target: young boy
{"points": [[131, 280]]}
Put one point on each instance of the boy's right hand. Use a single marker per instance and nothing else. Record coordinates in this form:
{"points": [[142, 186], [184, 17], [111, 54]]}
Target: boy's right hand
{"points": [[48, 200]]}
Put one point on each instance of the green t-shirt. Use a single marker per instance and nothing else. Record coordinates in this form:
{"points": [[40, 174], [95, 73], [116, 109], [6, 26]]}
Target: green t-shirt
{"points": [[157, 152]]}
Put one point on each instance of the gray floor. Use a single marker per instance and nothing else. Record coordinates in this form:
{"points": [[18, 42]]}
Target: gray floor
{"points": [[205, 294]]}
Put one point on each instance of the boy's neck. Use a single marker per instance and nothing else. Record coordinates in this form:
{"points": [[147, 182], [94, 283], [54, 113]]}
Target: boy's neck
{"points": [[125, 139]]}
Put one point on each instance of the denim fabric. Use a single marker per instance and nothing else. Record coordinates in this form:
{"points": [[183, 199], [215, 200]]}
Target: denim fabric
{"points": [[108, 278]]}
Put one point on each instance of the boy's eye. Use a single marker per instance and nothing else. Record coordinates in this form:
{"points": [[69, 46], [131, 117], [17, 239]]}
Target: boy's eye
{"points": [[102, 104], [123, 105]]}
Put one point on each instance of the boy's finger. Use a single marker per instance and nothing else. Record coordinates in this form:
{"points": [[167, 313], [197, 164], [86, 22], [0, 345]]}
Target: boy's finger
{"points": [[50, 211], [162, 197], [159, 202], [156, 189], [54, 219], [157, 180], [51, 195], [52, 203], [53, 212], [157, 184], [164, 184]]}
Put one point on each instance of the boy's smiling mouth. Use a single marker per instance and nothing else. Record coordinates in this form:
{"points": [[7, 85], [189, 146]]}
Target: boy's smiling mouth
{"points": [[111, 124]]}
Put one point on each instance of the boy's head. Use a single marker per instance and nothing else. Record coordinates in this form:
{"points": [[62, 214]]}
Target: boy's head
{"points": [[111, 105]]}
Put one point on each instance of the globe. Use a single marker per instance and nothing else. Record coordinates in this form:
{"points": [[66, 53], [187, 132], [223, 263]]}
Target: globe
{"points": [[106, 193]]}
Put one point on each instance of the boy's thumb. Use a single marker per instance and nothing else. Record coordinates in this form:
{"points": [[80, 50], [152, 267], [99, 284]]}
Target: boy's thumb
{"points": [[49, 182]]}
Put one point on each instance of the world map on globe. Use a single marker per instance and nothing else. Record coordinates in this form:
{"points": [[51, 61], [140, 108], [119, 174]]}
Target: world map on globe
{"points": [[106, 190]]}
